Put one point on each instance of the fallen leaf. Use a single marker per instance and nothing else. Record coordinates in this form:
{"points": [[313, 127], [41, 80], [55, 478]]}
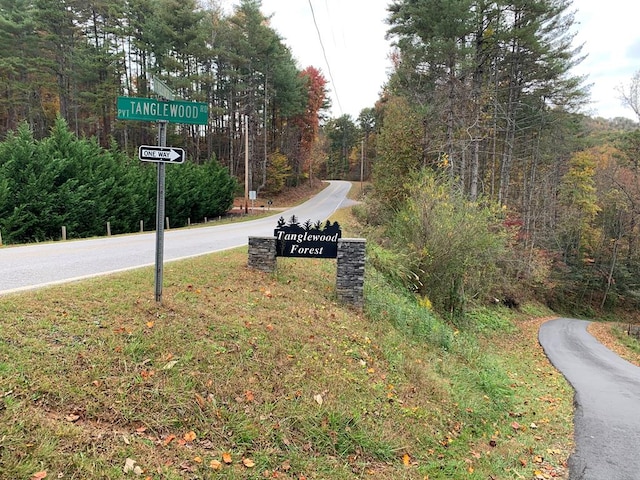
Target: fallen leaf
{"points": [[39, 475], [249, 396], [150, 324], [406, 459], [318, 399], [129, 464], [186, 467], [72, 417], [199, 400], [515, 426], [206, 444], [247, 462], [215, 465], [226, 458], [190, 436], [168, 440], [170, 365], [197, 459]]}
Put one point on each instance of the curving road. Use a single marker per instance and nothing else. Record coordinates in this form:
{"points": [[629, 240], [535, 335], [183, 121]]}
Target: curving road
{"points": [[607, 402], [37, 265]]}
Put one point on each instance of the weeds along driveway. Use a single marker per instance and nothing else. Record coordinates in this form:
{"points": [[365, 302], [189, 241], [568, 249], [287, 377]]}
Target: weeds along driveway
{"points": [[607, 401], [33, 266]]}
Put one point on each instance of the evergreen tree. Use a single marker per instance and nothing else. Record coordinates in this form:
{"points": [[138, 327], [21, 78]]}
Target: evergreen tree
{"points": [[342, 136], [25, 94]]}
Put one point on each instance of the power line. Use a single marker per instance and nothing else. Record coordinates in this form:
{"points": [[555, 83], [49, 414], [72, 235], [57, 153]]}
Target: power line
{"points": [[326, 60]]}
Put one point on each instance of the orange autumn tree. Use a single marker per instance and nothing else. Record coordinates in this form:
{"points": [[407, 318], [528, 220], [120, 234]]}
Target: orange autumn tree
{"points": [[308, 123]]}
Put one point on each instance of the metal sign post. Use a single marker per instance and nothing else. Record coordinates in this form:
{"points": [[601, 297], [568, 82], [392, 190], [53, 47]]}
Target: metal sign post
{"points": [[162, 140], [162, 111]]}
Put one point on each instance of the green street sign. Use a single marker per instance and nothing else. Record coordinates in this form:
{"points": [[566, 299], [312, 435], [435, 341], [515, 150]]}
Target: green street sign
{"points": [[151, 110]]}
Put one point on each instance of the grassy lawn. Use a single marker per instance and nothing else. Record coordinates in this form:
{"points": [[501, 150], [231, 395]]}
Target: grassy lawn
{"points": [[243, 375]]}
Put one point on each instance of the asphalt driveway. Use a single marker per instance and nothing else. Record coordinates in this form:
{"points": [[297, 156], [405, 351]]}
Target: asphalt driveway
{"points": [[607, 402]]}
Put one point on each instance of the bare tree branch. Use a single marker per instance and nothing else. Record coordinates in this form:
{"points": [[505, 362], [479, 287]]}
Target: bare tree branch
{"points": [[631, 97]]}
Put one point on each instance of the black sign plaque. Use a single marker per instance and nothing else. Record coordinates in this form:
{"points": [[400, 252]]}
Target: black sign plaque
{"points": [[307, 240]]}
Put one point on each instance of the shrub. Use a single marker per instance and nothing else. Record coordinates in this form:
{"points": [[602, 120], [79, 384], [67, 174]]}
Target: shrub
{"points": [[454, 246]]}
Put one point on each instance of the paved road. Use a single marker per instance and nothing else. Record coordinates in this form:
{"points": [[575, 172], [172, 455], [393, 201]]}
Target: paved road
{"points": [[607, 402], [33, 266]]}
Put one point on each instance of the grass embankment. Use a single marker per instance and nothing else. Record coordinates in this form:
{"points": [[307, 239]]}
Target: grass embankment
{"points": [[241, 375]]}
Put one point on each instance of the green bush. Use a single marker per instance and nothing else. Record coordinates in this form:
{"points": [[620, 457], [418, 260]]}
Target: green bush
{"points": [[66, 181], [454, 246]]}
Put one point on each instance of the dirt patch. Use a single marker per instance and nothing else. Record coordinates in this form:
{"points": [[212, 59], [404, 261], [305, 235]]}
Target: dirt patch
{"points": [[604, 333], [287, 198]]}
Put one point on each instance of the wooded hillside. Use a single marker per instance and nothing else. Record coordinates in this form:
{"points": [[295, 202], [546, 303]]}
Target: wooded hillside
{"points": [[480, 119]]}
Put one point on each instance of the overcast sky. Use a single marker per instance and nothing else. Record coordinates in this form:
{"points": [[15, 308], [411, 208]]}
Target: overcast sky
{"points": [[357, 54]]}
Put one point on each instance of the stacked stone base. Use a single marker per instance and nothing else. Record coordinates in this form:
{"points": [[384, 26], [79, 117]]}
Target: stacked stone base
{"points": [[350, 265]]}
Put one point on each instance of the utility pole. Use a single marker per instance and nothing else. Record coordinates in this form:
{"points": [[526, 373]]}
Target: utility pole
{"points": [[246, 164], [361, 166]]}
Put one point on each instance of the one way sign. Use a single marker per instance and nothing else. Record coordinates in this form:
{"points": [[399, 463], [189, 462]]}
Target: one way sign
{"points": [[150, 153]]}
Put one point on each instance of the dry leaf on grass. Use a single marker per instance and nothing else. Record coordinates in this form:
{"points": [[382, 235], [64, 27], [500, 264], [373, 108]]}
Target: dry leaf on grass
{"points": [[129, 464], [170, 365]]}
